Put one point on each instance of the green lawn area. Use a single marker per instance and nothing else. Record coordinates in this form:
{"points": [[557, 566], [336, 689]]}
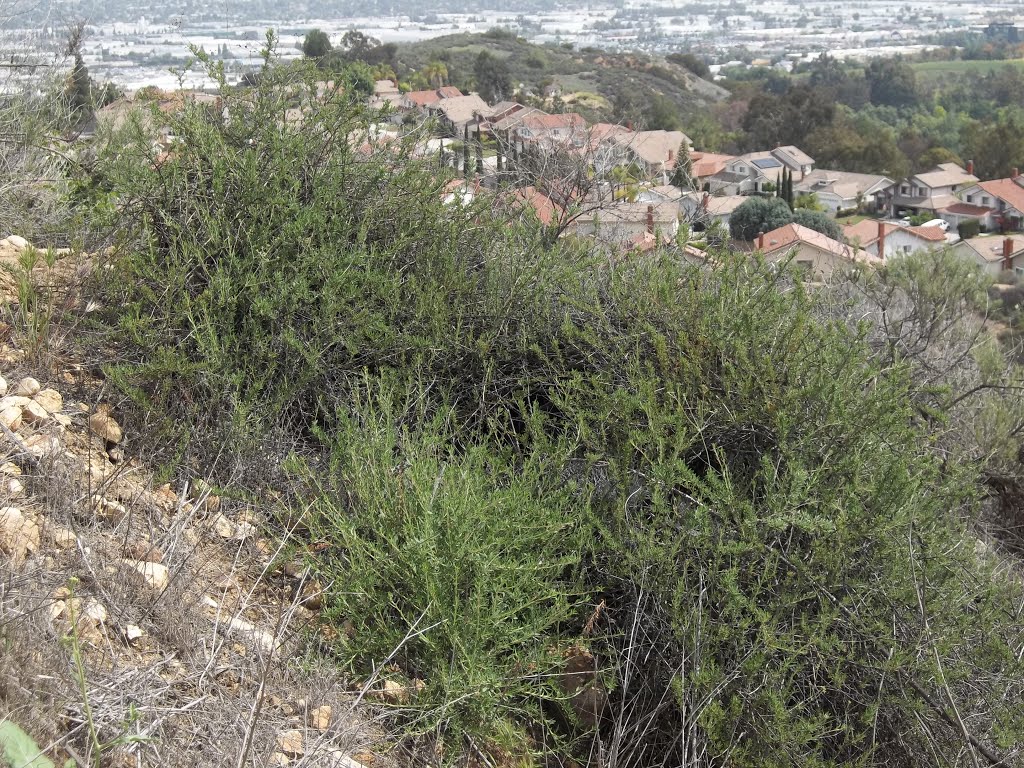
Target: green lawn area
{"points": [[936, 69], [857, 217]]}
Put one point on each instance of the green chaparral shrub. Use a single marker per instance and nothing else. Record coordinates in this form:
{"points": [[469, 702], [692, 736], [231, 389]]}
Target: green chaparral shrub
{"points": [[735, 504]]}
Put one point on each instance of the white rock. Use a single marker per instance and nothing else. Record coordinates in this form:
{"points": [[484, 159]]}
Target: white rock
{"points": [[42, 445], [63, 419], [247, 631], [17, 241], [50, 400], [15, 487], [339, 759], [34, 413], [95, 611], [224, 527], [27, 387], [155, 574], [11, 417], [133, 632], [19, 534], [61, 537], [19, 401], [320, 718], [112, 511], [3, 386], [290, 742]]}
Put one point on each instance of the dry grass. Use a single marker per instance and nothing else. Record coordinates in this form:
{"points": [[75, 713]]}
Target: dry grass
{"points": [[214, 670]]}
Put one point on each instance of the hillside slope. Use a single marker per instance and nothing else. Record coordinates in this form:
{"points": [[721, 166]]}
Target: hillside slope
{"points": [[582, 75]]}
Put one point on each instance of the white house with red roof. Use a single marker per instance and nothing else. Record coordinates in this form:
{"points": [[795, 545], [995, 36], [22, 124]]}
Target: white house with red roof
{"points": [[887, 240], [1003, 198]]}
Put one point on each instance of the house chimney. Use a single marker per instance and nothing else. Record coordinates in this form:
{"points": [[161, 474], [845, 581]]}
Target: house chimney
{"points": [[881, 239], [1014, 173], [629, 125], [650, 219], [671, 155], [1008, 254], [970, 167], [760, 241]]}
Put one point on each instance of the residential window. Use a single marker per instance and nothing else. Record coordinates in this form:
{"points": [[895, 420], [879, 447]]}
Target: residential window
{"points": [[904, 190], [984, 200], [970, 198], [740, 169], [805, 264]]}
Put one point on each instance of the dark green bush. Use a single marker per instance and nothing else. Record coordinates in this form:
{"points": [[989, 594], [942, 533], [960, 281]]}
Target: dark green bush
{"points": [[968, 229]]}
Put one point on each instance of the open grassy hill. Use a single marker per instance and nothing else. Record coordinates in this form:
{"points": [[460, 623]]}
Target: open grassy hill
{"points": [[590, 79]]}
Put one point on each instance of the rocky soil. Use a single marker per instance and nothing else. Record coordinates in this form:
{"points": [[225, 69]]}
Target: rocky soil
{"points": [[153, 624]]}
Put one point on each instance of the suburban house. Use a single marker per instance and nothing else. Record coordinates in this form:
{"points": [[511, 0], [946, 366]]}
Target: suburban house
{"points": [[385, 93], [624, 223], [819, 254], [1003, 198], [886, 240], [927, 192], [707, 164], [957, 213], [798, 162], [994, 253], [422, 99], [653, 151], [458, 112], [546, 130], [701, 209], [757, 171], [531, 200], [840, 190]]}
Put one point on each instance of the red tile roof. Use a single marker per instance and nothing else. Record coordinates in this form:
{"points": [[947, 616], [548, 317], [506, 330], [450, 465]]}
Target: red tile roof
{"points": [[966, 209], [1007, 190], [542, 122]]}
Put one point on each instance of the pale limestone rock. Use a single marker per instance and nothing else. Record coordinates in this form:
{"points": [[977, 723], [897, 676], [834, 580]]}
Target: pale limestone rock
{"points": [[224, 527], [19, 534], [290, 742], [103, 425], [156, 575], [50, 400], [27, 387], [111, 511], [248, 631], [10, 417], [19, 401], [60, 537], [320, 718], [95, 611], [3, 386], [17, 241], [42, 445], [34, 413], [133, 632]]}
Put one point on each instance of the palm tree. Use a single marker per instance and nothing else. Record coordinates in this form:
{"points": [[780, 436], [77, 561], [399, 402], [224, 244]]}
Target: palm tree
{"points": [[436, 73]]}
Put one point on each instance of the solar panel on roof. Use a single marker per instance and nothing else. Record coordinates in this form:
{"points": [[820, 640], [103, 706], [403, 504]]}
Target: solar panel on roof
{"points": [[768, 162]]}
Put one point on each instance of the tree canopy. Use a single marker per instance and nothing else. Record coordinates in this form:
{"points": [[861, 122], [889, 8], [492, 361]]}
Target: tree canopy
{"points": [[757, 215]]}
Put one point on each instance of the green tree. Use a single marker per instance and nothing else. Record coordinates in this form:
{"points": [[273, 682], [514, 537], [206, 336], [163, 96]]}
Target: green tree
{"points": [[818, 221], [316, 44], [436, 73], [891, 82], [757, 215], [682, 175], [493, 80]]}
